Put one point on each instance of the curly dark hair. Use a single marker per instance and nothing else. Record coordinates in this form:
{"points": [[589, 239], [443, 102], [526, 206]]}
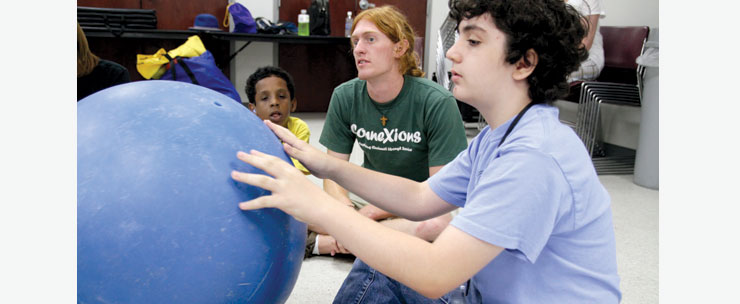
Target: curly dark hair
{"points": [[552, 28], [263, 73]]}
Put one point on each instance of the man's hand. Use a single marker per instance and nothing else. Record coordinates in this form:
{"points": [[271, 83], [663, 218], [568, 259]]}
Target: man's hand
{"points": [[328, 244], [374, 213]]}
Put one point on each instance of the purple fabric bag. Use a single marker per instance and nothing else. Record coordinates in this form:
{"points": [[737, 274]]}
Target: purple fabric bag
{"points": [[202, 71], [242, 18]]}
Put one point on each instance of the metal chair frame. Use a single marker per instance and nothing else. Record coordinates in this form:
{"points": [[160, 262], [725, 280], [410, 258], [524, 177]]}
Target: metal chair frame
{"points": [[589, 107], [594, 93]]}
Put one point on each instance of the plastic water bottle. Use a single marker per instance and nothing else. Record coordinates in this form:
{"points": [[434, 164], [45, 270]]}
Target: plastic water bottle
{"points": [[348, 25], [303, 23]]}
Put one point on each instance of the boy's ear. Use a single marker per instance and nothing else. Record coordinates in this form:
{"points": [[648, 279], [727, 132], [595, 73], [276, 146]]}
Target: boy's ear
{"points": [[293, 104], [250, 106], [525, 66]]}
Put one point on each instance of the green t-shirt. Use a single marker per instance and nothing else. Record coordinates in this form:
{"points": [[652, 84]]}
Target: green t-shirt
{"points": [[424, 127]]}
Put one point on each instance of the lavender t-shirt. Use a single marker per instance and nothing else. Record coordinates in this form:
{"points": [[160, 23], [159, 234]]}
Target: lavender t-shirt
{"points": [[537, 196]]}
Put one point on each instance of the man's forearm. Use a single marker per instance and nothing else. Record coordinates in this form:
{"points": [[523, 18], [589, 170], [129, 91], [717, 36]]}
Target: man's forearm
{"points": [[337, 192], [397, 195]]}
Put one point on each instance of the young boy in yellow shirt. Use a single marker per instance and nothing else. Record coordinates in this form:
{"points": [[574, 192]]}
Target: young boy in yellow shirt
{"points": [[271, 94]]}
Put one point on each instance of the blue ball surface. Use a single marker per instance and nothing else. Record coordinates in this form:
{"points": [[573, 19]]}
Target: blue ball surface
{"points": [[157, 213]]}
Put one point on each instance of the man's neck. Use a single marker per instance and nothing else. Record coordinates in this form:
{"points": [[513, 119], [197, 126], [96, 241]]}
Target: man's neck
{"points": [[385, 89]]}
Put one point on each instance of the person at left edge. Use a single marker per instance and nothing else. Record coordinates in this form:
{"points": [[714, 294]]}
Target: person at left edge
{"points": [[94, 73]]}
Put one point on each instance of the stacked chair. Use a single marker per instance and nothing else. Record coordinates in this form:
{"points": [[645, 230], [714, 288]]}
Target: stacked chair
{"points": [[619, 83], [116, 20]]}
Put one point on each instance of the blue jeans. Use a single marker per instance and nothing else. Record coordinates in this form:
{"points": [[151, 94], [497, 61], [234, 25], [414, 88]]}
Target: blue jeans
{"points": [[367, 285]]}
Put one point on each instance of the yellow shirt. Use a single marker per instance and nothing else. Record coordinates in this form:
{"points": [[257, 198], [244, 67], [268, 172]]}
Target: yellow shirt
{"points": [[300, 129]]}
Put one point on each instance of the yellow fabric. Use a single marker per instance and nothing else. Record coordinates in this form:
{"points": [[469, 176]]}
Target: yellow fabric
{"points": [[300, 129], [152, 66]]}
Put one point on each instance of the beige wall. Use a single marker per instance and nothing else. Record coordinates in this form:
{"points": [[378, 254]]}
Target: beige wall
{"points": [[631, 12]]}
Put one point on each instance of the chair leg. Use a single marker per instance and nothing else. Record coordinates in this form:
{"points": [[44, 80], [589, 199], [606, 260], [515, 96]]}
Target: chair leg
{"points": [[591, 115], [588, 119], [581, 111], [596, 149], [583, 107], [584, 120]]}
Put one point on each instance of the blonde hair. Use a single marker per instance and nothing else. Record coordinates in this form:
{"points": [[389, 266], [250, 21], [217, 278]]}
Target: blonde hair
{"points": [[394, 24], [86, 60]]}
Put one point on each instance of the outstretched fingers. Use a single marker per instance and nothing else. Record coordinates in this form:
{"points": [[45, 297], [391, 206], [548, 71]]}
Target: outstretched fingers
{"points": [[259, 180], [265, 162], [257, 203], [290, 190]]}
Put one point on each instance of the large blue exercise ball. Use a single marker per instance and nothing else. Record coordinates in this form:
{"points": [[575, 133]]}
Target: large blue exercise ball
{"points": [[157, 211]]}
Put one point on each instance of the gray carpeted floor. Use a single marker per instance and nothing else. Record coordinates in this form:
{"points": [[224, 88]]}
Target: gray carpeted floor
{"points": [[635, 212]]}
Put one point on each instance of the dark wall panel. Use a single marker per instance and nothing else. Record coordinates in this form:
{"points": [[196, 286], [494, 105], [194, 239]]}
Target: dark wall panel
{"points": [[179, 15], [110, 3], [317, 69], [171, 14]]}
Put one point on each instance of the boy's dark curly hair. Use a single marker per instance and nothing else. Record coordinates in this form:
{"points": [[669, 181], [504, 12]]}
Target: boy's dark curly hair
{"points": [[551, 28], [265, 72]]}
